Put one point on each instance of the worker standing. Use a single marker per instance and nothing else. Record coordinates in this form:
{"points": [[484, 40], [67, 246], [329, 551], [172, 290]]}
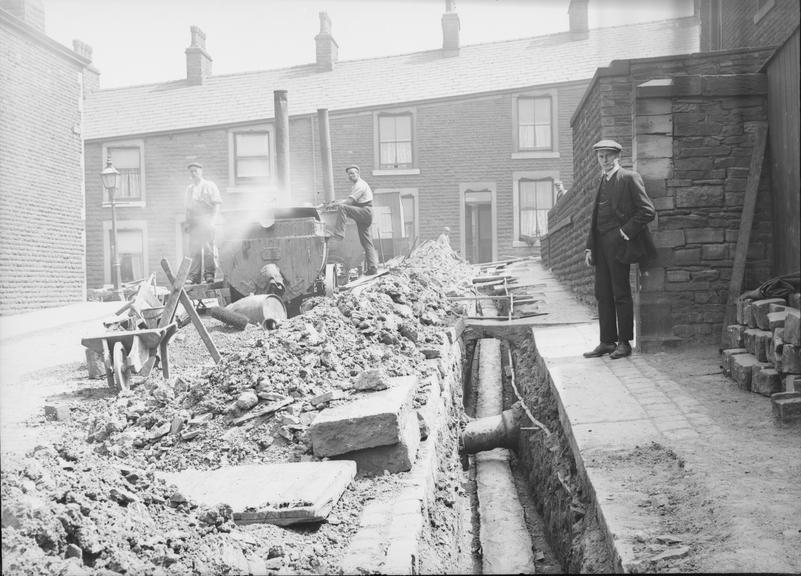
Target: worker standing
{"points": [[358, 206], [202, 203], [618, 237]]}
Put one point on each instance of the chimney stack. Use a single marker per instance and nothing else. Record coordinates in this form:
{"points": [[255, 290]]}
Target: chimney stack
{"points": [[327, 47], [91, 75], [198, 61], [29, 11], [450, 29], [579, 20]]}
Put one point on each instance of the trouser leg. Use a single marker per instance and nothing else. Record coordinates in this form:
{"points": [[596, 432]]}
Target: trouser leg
{"points": [[363, 216], [618, 302]]}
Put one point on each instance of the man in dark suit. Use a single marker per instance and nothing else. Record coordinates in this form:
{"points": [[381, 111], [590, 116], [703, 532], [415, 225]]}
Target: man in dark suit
{"points": [[618, 237]]}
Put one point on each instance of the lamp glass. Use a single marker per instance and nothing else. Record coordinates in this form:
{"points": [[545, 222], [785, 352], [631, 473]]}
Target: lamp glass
{"points": [[109, 176]]}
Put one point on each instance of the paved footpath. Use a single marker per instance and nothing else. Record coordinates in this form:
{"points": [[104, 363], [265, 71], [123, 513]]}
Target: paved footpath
{"points": [[733, 489]]}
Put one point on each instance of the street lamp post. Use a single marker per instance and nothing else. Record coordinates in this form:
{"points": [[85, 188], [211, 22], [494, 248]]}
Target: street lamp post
{"points": [[111, 176]]}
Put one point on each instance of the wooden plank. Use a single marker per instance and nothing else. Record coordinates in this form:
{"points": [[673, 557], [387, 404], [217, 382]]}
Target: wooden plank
{"points": [[269, 409], [364, 280], [190, 309], [746, 221], [282, 494], [175, 292]]}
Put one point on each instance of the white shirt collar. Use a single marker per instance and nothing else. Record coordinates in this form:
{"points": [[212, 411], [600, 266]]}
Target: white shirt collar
{"points": [[611, 173]]}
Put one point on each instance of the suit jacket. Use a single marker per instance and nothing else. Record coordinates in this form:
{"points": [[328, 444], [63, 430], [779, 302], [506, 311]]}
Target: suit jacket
{"points": [[633, 210]]}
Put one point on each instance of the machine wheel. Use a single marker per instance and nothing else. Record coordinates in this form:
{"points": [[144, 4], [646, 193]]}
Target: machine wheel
{"points": [[330, 279], [122, 372]]}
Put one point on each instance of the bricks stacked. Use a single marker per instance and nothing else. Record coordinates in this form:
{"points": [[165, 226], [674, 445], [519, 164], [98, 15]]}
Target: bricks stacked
{"points": [[764, 354]]}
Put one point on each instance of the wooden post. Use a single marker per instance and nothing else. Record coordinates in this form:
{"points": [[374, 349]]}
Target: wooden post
{"points": [[176, 287], [746, 221], [193, 315]]}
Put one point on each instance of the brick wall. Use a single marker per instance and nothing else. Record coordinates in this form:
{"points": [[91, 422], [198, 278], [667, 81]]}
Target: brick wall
{"points": [[696, 178], [456, 142], [41, 194], [739, 30]]}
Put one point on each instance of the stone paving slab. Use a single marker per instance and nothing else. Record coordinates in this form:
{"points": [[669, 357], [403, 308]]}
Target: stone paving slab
{"points": [[375, 419], [282, 494]]}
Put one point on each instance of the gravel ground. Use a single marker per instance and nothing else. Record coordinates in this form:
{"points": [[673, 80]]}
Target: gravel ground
{"points": [[88, 501]]}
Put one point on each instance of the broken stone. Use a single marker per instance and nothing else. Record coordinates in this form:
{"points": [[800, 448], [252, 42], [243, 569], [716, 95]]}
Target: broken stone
{"points": [[73, 551], [390, 459], [324, 398], [247, 400], [57, 413], [372, 379], [671, 554]]}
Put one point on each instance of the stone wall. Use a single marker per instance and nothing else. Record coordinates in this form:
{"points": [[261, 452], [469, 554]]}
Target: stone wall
{"points": [[686, 125]]}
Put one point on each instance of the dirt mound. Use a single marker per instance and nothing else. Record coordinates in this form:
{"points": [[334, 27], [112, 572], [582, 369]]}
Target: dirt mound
{"points": [[93, 504]]}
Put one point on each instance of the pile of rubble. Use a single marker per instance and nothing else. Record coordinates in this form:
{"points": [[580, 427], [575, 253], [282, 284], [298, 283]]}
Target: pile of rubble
{"points": [[94, 504]]}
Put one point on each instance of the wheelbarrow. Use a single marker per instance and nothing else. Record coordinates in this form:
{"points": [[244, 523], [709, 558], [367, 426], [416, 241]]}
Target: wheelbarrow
{"points": [[126, 351]]}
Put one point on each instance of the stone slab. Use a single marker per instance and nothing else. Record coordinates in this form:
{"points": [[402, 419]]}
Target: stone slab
{"points": [[376, 419], [727, 358], [762, 345], [776, 319], [792, 327], [735, 332], [741, 368], [761, 308], [282, 494], [765, 381], [786, 405], [791, 359], [751, 338], [394, 458], [748, 315]]}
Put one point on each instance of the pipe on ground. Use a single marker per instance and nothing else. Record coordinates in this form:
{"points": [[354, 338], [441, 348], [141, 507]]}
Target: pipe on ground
{"points": [[500, 431]]}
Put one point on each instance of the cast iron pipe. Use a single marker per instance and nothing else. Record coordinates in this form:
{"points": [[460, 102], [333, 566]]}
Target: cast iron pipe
{"points": [[500, 431]]}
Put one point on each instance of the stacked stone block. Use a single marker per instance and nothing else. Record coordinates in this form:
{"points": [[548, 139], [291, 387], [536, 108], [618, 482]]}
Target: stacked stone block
{"points": [[379, 431], [764, 354]]}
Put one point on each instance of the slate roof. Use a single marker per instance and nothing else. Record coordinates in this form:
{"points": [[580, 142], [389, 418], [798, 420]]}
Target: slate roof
{"points": [[378, 82]]}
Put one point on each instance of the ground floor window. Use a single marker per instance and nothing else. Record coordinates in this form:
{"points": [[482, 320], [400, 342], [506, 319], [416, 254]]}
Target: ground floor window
{"points": [[131, 251], [536, 199]]}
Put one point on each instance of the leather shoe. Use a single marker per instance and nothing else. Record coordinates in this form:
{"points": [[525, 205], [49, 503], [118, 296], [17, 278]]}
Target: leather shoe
{"points": [[600, 350], [623, 349]]}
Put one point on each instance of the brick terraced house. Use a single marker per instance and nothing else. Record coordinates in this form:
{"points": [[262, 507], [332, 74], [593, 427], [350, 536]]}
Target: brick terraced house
{"points": [[468, 137], [41, 163]]}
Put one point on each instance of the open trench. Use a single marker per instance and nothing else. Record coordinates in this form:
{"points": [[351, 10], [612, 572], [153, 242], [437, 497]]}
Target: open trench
{"points": [[518, 510]]}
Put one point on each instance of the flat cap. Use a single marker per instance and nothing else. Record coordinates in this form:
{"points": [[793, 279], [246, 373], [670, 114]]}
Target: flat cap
{"points": [[607, 145], [352, 166], [194, 165]]}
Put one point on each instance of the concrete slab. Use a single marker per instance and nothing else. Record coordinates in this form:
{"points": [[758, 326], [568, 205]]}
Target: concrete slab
{"points": [[376, 419], [282, 494]]}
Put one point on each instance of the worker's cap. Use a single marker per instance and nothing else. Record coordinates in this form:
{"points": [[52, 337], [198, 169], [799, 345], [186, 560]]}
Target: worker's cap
{"points": [[351, 167], [194, 165], [607, 145]]}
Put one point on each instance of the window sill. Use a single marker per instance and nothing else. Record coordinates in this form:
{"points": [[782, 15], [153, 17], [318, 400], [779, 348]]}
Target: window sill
{"points": [[396, 172], [521, 244], [529, 155], [122, 204], [250, 189], [764, 10]]}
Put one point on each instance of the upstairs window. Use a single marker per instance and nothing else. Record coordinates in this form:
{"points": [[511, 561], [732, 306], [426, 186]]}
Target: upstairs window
{"points": [[128, 162], [536, 199], [251, 157], [395, 141], [534, 124]]}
